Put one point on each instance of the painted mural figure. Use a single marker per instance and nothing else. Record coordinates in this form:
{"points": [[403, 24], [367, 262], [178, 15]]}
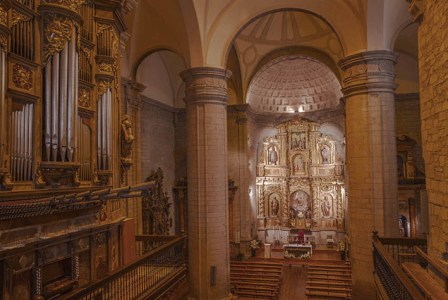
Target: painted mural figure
{"points": [[272, 156], [325, 152], [275, 204], [326, 207]]}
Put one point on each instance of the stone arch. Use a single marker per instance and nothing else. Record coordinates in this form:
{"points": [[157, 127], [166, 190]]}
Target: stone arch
{"points": [[220, 38], [141, 58]]}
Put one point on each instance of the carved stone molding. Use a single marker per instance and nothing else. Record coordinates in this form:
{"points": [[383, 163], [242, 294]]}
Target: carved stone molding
{"points": [[416, 9], [22, 77], [132, 92], [206, 85], [368, 71]]}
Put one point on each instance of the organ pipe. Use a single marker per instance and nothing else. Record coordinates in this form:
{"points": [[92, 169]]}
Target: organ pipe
{"points": [[21, 148], [61, 103], [105, 130], [63, 109], [48, 101], [55, 107]]}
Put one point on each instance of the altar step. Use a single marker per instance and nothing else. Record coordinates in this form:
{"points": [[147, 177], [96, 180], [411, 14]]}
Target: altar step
{"points": [[255, 280], [329, 282]]}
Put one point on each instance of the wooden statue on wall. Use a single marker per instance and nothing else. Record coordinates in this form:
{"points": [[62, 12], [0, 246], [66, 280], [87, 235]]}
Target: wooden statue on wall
{"points": [[127, 139]]}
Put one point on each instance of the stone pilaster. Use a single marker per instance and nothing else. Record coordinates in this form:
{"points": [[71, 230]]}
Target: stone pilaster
{"points": [[206, 99], [368, 86], [238, 170]]}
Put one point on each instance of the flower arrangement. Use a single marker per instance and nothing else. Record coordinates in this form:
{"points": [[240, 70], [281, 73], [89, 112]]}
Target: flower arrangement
{"points": [[306, 255], [254, 245]]}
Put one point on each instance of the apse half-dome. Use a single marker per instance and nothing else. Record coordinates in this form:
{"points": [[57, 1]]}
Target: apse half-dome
{"points": [[289, 85]]}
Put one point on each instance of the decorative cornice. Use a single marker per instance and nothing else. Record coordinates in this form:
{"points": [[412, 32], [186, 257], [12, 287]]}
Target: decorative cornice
{"points": [[368, 71], [206, 85], [73, 5]]}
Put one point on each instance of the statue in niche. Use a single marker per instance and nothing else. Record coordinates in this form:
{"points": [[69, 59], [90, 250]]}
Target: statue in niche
{"points": [[275, 205], [127, 137], [299, 204], [272, 156], [325, 153], [298, 166], [325, 207], [298, 140]]}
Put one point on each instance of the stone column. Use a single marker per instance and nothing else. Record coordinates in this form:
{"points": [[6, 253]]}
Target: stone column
{"points": [[368, 86], [208, 241]]}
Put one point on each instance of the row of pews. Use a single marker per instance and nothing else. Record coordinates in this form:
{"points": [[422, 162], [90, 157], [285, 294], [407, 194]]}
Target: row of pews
{"points": [[329, 282], [255, 279]]}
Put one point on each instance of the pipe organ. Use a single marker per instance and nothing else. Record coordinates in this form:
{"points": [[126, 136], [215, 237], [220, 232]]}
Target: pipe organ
{"points": [[59, 93]]}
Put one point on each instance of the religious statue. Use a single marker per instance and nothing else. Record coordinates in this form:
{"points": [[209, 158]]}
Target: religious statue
{"points": [[127, 137], [326, 207], [272, 156], [298, 165], [275, 204], [325, 153]]}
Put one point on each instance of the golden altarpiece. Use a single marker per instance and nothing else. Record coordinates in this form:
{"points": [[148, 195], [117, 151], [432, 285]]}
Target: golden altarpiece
{"points": [[65, 140], [300, 184]]}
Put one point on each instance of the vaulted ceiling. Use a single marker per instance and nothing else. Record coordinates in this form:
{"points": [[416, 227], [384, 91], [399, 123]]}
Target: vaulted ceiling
{"points": [[290, 85]]}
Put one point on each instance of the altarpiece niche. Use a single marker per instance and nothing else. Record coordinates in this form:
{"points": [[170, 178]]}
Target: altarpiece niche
{"points": [[300, 183]]}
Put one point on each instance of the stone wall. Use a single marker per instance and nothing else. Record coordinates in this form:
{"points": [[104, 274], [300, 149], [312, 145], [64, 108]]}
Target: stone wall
{"points": [[433, 61], [158, 142], [407, 114]]}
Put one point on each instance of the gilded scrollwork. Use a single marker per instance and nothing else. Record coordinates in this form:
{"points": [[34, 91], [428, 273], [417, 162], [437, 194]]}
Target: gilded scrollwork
{"points": [[103, 86], [105, 67], [22, 77], [18, 17], [57, 31], [88, 52], [3, 41], [102, 27], [84, 97], [3, 15], [71, 4]]}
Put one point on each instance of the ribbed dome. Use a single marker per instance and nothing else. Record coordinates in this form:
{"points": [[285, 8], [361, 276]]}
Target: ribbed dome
{"points": [[294, 85]]}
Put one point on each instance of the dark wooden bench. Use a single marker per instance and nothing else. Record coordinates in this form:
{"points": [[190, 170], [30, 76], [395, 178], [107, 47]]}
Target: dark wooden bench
{"points": [[328, 283], [327, 295]]}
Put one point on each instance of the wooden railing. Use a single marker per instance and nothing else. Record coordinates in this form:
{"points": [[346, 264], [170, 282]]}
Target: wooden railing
{"points": [[150, 277], [146, 243], [403, 249], [432, 265], [396, 283]]}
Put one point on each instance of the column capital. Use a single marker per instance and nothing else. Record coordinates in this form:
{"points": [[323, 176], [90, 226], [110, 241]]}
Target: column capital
{"points": [[206, 85], [370, 71]]}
